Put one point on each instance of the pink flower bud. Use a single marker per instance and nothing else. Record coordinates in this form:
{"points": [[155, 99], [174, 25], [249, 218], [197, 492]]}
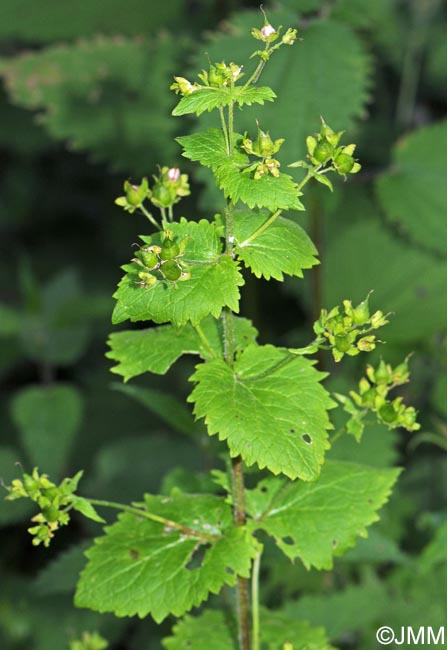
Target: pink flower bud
{"points": [[174, 174], [267, 31]]}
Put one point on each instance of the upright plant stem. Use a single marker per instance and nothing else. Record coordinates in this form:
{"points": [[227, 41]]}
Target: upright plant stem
{"points": [[237, 468], [255, 600]]}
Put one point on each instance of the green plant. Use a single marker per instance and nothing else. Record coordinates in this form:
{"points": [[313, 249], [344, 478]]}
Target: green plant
{"points": [[167, 554]]}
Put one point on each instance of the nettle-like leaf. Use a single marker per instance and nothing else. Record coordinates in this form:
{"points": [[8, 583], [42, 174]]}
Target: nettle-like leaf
{"points": [[206, 99], [406, 281], [107, 95], [283, 247], [142, 567], [276, 630], [271, 409], [156, 349], [214, 282], [328, 74], [316, 521], [269, 192], [413, 192]]}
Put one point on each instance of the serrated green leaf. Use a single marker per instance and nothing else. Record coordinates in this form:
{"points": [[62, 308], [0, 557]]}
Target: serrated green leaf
{"points": [[284, 247], [48, 419], [207, 148], [156, 349], [207, 99], [140, 567], [214, 282], [269, 192], [280, 193], [315, 521], [270, 409], [106, 95], [413, 192], [209, 630]]}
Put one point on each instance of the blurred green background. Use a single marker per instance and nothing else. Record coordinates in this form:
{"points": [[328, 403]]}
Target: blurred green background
{"points": [[84, 105]]}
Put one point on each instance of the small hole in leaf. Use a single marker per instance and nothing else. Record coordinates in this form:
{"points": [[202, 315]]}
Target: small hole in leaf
{"points": [[264, 489], [196, 559], [307, 438], [288, 540], [134, 554], [292, 430], [229, 570]]}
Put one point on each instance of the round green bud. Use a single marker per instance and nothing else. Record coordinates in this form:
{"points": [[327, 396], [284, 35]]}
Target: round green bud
{"points": [[51, 514], [342, 343], [148, 257], [171, 270], [323, 151], [133, 195], [169, 250], [387, 413], [382, 374], [360, 314], [344, 163], [147, 279]]}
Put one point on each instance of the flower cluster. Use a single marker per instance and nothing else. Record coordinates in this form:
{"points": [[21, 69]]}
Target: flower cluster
{"points": [[168, 188], [346, 329], [324, 150], [372, 396], [268, 34], [161, 263], [54, 502], [265, 148], [219, 75], [89, 641]]}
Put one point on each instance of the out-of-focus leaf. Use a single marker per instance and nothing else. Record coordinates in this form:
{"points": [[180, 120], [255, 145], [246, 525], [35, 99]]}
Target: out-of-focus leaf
{"points": [[48, 419], [343, 611], [167, 407], [436, 551], [9, 321], [146, 459], [413, 191], [108, 96], [60, 575], [362, 255], [51, 20], [11, 511]]}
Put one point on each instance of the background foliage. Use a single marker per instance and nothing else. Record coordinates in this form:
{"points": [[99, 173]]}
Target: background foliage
{"points": [[85, 101]]}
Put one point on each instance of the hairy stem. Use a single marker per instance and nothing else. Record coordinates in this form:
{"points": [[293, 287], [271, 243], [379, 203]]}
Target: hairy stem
{"points": [[139, 512], [224, 129], [237, 468]]}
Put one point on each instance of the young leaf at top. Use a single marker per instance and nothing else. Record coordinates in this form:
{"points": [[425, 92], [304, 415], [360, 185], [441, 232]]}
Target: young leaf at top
{"points": [[315, 521], [283, 247], [156, 349], [213, 282], [270, 408], [142, 567], [206, 99]]}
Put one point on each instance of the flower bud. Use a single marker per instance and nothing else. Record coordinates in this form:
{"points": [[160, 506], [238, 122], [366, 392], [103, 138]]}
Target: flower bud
{"points": [[173, 174], [387, 413], [169, 250], [289, 37], [323, 152], [267, 31], [343, 162], [361, 313], [171, 270]]}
